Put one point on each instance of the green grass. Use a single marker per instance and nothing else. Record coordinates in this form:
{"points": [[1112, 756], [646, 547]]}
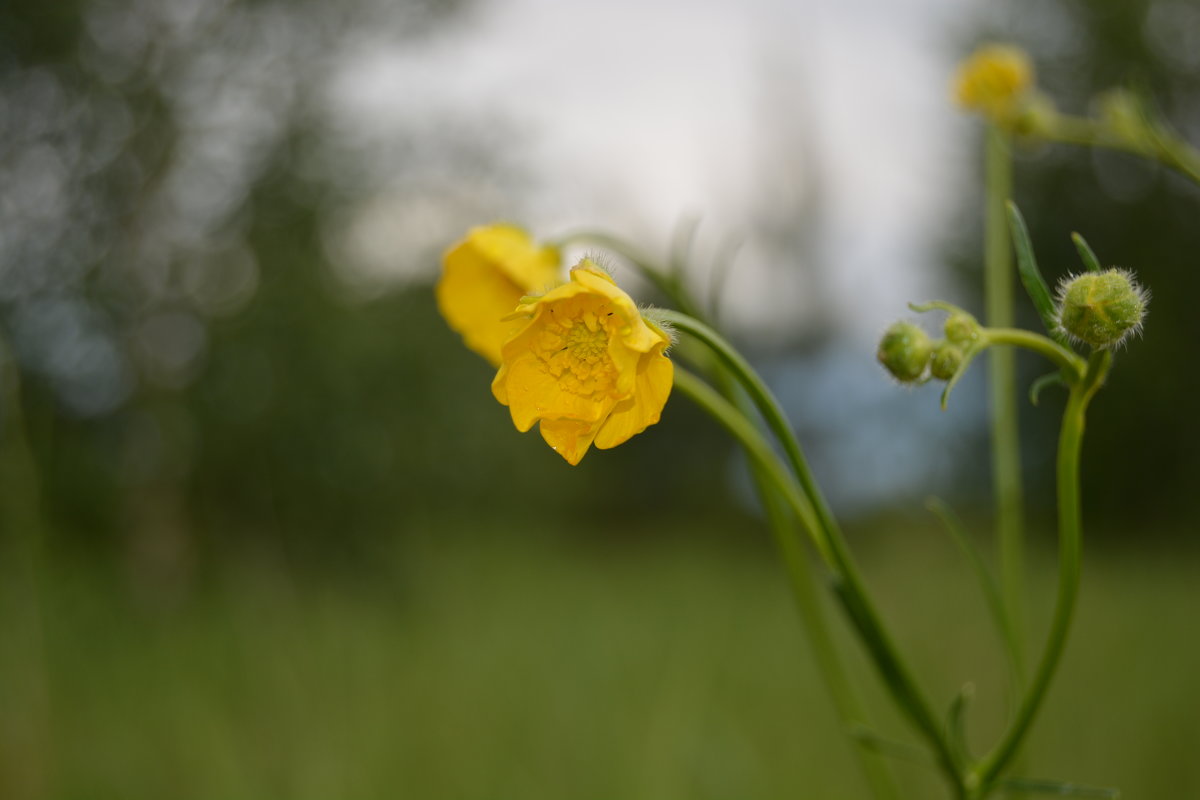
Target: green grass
{"points": [[505, 666]]}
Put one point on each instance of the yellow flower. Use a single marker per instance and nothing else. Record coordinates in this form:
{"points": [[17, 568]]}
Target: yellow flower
{"points": [[993, 81], [483, 279], [586, 365]]}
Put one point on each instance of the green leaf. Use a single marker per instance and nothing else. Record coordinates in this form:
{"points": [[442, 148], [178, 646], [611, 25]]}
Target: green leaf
{"points": [[991, 592], [956, 722], [1060, 788], [1086, 254], [1031, 276], [1051, 379]]}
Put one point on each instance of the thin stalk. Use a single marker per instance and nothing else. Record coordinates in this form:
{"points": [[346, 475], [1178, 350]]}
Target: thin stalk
{"points": [[1059, 355], [1006, 454], [827, 537], [808, 602], [782, 526], [1070, 532], [1164, 147]]}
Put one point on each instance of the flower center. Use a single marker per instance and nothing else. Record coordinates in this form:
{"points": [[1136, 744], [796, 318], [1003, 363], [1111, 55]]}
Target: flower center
{"points": [[586, 343], [574, 349]]}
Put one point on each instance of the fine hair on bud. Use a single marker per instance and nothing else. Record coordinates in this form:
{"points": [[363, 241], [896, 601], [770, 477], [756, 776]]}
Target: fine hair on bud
{"points": [[1102, 309], [904, 351]]}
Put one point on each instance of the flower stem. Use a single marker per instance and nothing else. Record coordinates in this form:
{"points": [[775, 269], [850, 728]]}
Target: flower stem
{"points": [[1061, 356], [1006, 454], [827, 536], [1070, 532], [781, 523]]}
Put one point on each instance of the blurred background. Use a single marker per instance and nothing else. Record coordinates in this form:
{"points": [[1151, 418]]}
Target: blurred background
{"points": [[266, 533]]}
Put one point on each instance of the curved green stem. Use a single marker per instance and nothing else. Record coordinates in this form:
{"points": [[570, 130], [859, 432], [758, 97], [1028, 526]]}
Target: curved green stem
{"points": [[781, 524], [1061, 356], [826, 534], [773, 415], [1070, 532]]}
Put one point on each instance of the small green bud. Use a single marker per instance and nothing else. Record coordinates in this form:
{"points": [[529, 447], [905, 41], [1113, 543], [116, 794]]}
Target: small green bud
{"points": [[904, 350], [1101, 309], [961, 328], [947, 358]]}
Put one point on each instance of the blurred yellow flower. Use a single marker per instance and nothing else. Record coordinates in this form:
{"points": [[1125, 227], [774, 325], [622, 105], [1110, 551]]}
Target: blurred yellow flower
{"points": [[483, 279], [586, 365], [993, 81]]}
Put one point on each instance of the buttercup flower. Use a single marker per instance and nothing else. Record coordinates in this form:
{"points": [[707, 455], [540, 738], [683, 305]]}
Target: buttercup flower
{"points": [[586, 365], [993, 81], [483, 279]]}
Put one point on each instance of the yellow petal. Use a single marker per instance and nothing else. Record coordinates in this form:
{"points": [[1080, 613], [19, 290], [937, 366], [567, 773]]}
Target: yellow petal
{"points": [[484, 278], [533, 394], [643, 408], [569, 438]]}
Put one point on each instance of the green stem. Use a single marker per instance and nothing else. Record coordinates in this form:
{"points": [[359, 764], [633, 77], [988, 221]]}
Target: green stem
{"points": [[1070, 532], [777, 421], [1061, 356], [781, 525], [1006, 454], [1165, 147], [827, 537], [800, 571]]}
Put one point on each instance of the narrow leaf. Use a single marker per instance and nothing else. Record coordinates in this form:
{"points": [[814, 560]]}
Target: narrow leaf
{"points": [[1027, 266], [1060, 788], [1051, 379], [1086, 254], [956, 722], [991, 592]]}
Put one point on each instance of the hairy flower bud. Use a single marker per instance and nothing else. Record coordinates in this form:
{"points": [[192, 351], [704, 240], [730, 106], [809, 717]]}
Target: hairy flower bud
{"points": [[947, 358], [1101, 309], [904, 350], [961, 329]]}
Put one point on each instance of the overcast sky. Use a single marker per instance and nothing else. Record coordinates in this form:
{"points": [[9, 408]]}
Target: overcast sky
{"points": [[634, 115]]}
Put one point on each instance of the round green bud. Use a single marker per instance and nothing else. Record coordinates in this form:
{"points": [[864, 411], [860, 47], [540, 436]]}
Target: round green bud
{"points": [[947, 358], [1101, 308], [961, 328], [904, 350]]}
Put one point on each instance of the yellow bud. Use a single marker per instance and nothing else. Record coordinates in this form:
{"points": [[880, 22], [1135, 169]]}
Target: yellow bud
{"points": [[993, 81]]}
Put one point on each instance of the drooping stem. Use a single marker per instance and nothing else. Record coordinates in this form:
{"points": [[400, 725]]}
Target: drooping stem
{"points": [[779, 516], [1070, 532], [850, 588], [808, 602], [1006, 454]]}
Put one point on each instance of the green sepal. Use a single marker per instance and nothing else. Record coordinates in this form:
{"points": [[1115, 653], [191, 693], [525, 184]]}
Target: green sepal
{"points": [[1031, 276], [1060, 788], [1086, 254], [968, 356], [987, 583], [1049, 379]]}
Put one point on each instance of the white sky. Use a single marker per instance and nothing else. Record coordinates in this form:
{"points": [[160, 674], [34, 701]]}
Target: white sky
{"points": [[637, 114]]}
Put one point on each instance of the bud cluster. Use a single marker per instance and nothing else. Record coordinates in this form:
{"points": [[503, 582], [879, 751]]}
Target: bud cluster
{"points": [[908, 353]]}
